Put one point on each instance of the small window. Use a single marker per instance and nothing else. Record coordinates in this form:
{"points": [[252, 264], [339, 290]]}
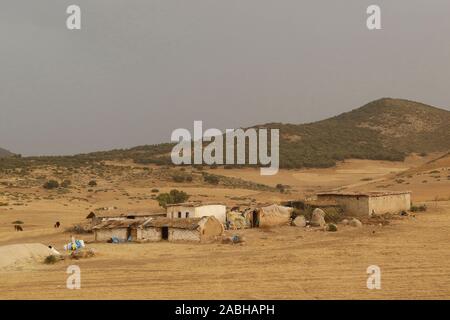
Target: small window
{"points": [[179, 214], [187, 214]]}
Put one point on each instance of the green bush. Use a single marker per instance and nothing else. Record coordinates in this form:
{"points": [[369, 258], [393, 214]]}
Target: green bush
{"points": [[51, 259], [332, 227], [51, 184], [211, 179], [173, 197], [181, 177]]}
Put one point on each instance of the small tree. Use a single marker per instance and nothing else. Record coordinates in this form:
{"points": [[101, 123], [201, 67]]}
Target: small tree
{"points": [[173, 197]]}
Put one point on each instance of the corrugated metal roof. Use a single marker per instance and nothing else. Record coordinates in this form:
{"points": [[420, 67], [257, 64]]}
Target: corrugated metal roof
{"points": [[117, 224]]}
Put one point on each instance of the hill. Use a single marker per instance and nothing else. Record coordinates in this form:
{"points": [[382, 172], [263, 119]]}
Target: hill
{"points": [[385, 129], [5, 153]]}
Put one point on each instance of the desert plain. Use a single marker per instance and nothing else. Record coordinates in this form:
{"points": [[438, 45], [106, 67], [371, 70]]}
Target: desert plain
{"points": [[413, 251]]}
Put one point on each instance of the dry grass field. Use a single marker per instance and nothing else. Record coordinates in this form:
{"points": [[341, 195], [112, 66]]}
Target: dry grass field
{"points": [[413, 252]]}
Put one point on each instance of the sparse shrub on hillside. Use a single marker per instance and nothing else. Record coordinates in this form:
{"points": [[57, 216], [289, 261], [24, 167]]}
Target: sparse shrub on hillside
{"points": [[281, 188], [182, 177], [51, 184], [420, 208], [211, 178], [155, 190], [92, 183], [51, 259], [178, 178]]}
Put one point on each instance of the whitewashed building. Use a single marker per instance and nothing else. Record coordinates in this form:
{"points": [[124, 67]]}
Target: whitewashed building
{"points": [[197, 210]]}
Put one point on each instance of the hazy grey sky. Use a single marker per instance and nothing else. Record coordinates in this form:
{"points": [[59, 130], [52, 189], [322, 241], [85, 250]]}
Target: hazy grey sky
{"points": [[138, 69]]}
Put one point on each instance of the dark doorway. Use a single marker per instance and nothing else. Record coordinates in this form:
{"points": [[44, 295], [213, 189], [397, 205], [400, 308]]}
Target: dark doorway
{"points": [[165, 233], [255, 219]]}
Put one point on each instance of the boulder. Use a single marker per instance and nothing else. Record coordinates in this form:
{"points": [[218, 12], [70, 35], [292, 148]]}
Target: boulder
{"points": [[345, 222], [299, 221], [355, 223], [317, 218]]}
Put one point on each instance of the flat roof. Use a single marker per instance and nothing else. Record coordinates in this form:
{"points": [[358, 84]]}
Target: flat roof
{"points": [[193, 204], [363, 194]]}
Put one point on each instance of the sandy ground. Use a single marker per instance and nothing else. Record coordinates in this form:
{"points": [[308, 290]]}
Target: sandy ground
{"points": [[280, 263]]}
